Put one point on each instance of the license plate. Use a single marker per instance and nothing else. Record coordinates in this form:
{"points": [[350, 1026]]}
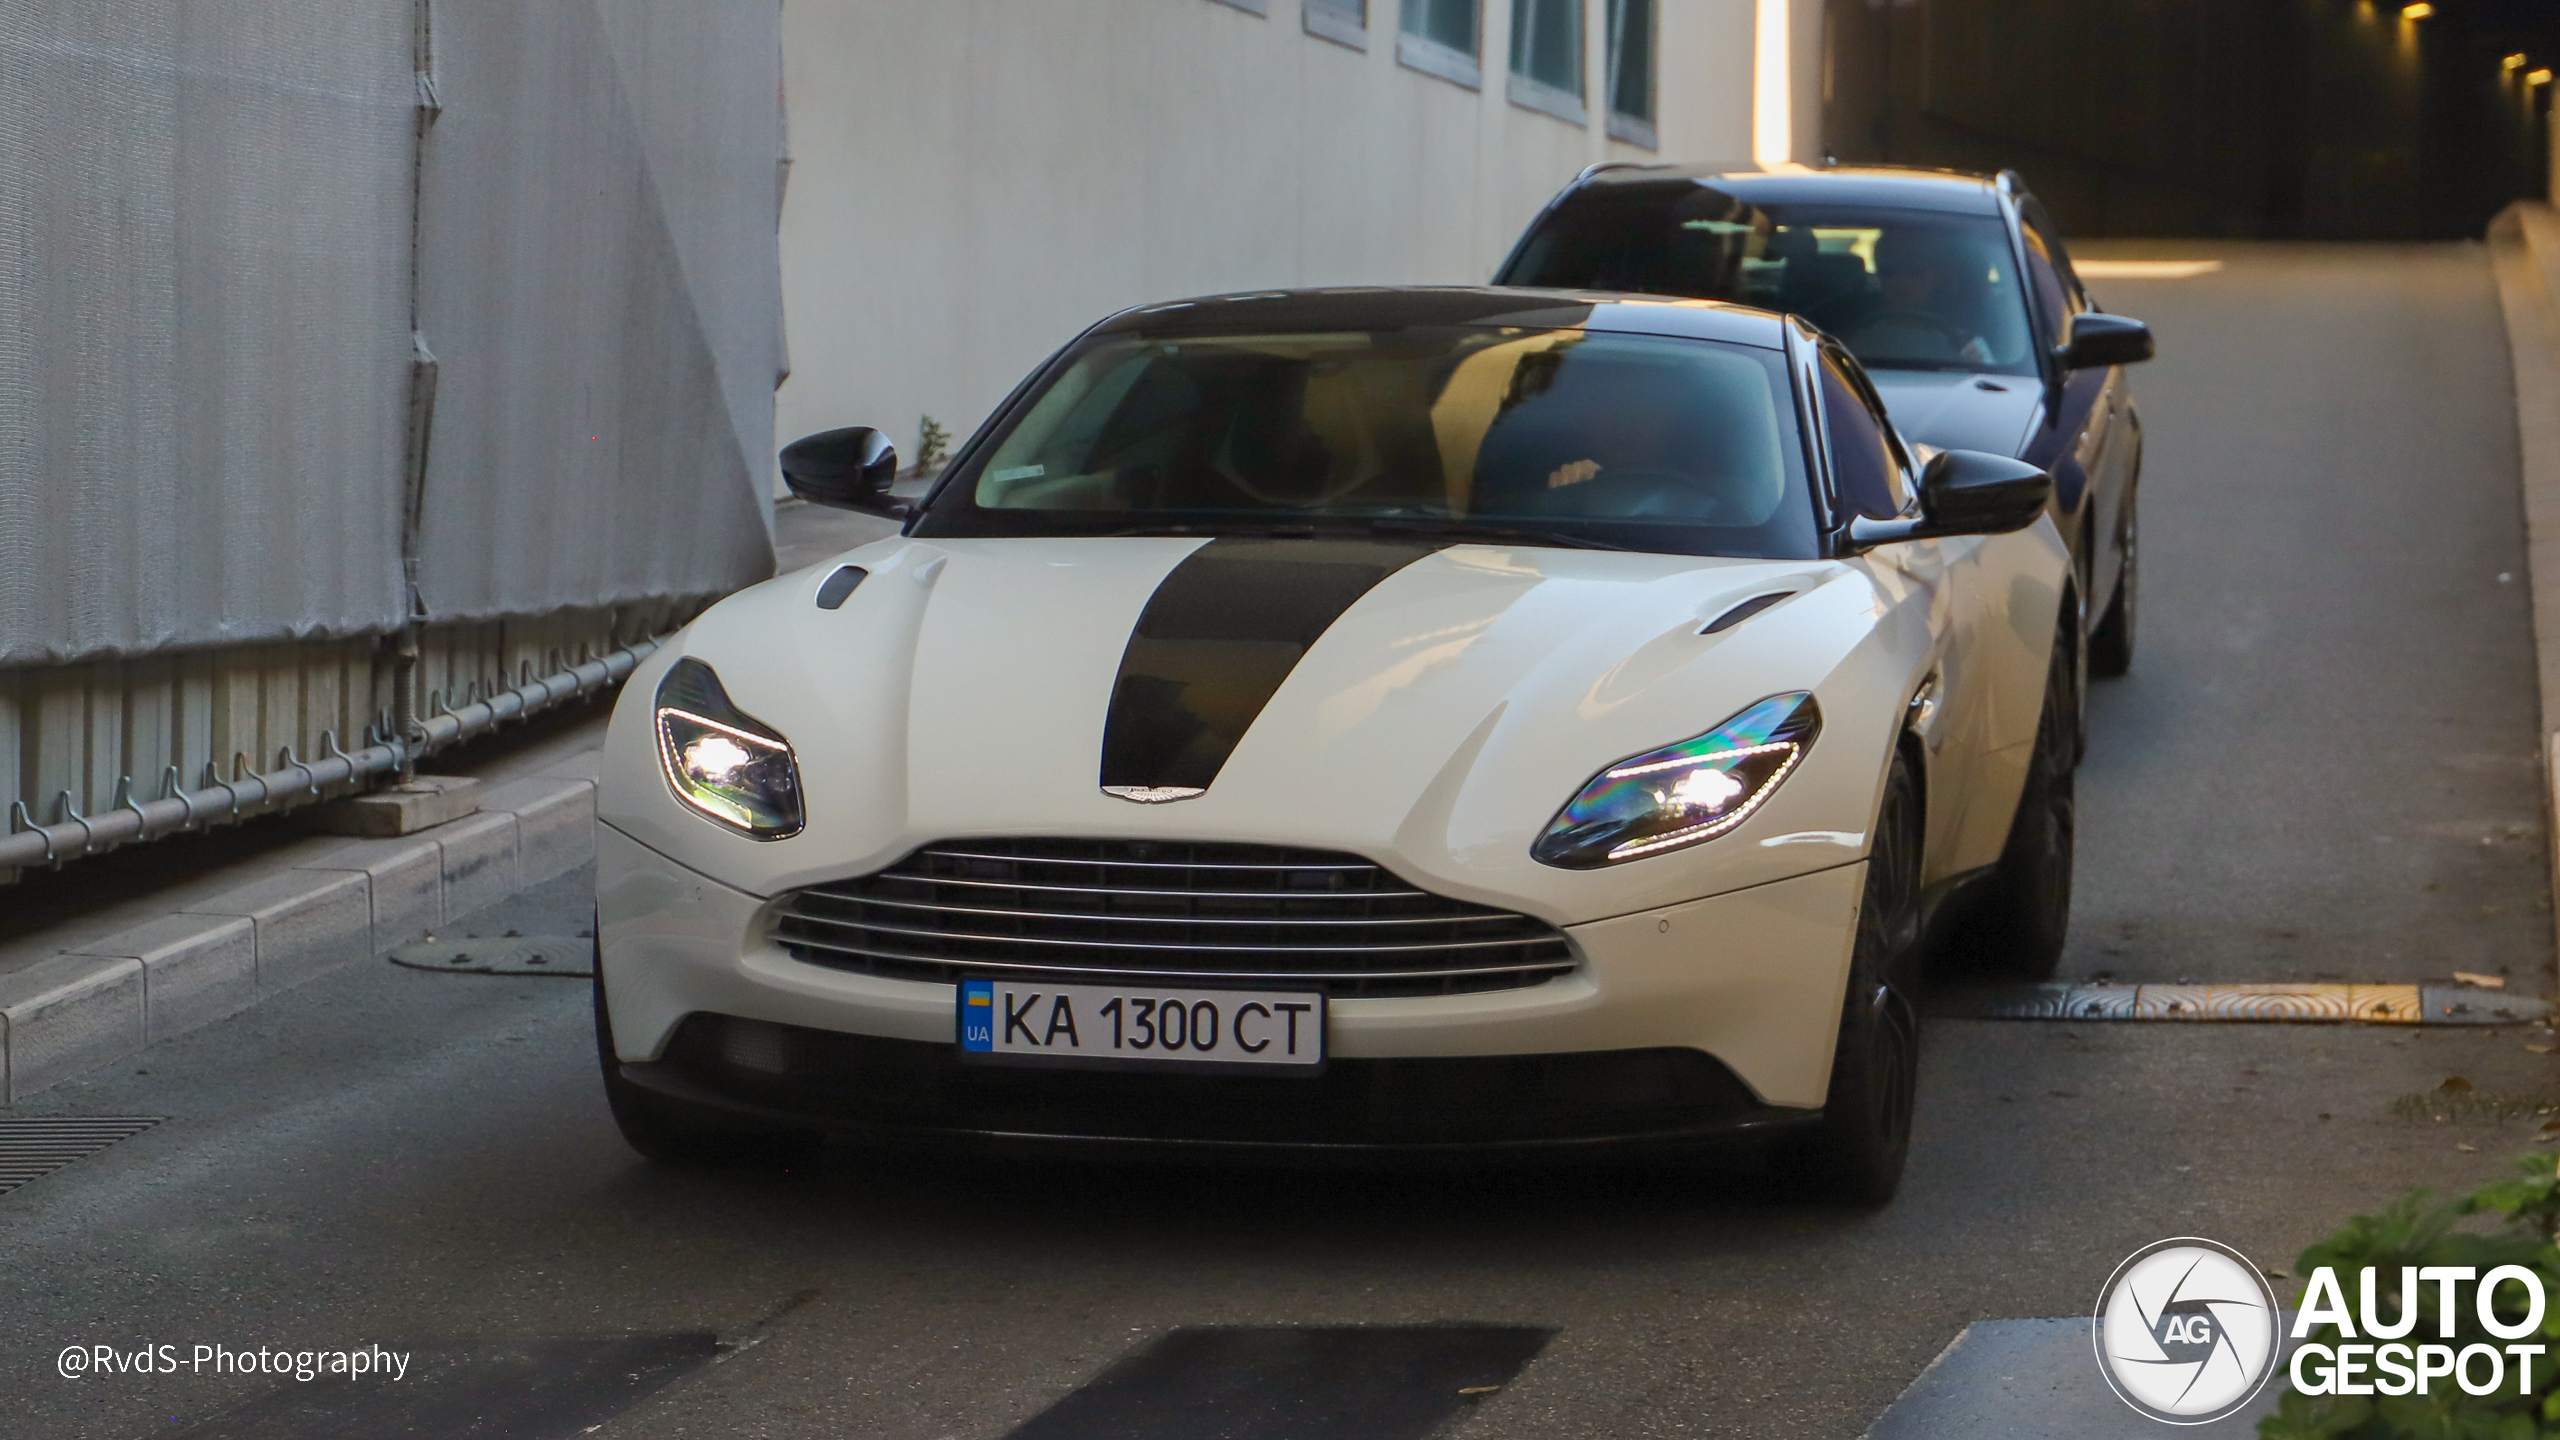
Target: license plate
{"points": [[1020, 1020]]}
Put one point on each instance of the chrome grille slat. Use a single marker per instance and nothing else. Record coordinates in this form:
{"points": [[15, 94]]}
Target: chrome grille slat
{"points": [[1170, 894], [1117, 916], [1139, 864], [1149, 944], [1258, 913], [1108, 971]]}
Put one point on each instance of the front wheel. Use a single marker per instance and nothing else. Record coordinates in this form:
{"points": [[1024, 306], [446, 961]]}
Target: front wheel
{"points": [[2023, 914], [1859, 1146]]}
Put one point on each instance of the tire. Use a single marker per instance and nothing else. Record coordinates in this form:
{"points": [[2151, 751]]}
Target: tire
{"points": [[1858, 1148], [2022, 915], [673, 1132], [2111, 644]]}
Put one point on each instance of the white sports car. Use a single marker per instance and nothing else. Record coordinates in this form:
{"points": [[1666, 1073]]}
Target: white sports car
{"points": [[1379, 718]]}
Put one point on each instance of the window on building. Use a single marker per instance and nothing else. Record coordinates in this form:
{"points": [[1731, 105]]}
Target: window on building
{"points": [[1344, 22], [1631, 72], [1443, 38], [1546, 57]]}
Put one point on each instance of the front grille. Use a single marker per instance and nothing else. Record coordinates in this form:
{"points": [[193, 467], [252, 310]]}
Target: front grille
{"points": [[1171, 912]]}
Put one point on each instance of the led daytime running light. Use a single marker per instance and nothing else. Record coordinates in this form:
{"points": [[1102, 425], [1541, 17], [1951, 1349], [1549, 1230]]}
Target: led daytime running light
{"points": [[1692, 761], [766, 742]]}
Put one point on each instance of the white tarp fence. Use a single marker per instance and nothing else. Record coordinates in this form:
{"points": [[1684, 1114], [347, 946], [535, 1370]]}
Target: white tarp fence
{"points": [[204, 335], [207, 211]]}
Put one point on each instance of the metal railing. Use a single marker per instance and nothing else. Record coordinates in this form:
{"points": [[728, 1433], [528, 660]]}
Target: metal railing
{"points": [[215, 800]]}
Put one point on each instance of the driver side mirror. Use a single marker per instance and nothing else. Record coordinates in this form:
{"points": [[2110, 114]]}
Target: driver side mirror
{"points": [[2099, 339], [1965, 492], [850, 469]]}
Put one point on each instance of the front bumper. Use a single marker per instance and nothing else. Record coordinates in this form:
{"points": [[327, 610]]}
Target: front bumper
{"points": [[1748, 982], [822, 1079]]}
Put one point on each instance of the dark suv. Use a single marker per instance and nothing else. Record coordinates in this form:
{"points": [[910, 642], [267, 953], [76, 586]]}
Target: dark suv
{"points": [[1918, 274]]}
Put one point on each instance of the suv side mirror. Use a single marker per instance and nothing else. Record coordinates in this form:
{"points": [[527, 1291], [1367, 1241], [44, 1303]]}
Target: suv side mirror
{"points": [[2099, 339], [850, 469], [1965, 492]]}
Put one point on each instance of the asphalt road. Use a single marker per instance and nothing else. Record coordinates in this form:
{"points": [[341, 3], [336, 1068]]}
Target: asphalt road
{"points": [[2320, 767]]}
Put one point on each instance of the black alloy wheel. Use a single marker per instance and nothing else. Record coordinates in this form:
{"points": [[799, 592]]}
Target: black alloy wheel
{"points": [[673, 1132], [2111, 645], [2023, 913], [1858, 1148]]}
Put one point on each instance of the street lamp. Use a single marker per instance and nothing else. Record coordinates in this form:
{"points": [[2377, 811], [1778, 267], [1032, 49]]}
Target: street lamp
{"points": [[2419, 11]]}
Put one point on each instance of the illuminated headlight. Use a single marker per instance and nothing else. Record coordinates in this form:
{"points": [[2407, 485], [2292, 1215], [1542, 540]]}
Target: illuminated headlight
{"points": [[724, 763], [1682, 794]]}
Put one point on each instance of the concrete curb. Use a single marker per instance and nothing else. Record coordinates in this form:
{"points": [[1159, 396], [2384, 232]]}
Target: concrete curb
{"points": [[2524, 251], [103, 1000]]}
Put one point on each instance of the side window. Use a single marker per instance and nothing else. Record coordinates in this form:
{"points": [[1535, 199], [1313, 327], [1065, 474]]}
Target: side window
{"points": [[1864, 461], [2055, 304]]}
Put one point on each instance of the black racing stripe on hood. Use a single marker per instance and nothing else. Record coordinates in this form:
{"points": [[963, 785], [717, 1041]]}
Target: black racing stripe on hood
{"points": [[1217, 638]]}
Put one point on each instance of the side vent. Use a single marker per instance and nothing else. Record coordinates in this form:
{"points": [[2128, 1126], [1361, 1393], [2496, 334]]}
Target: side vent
{"points": [[837, 586], [1744, 611]]}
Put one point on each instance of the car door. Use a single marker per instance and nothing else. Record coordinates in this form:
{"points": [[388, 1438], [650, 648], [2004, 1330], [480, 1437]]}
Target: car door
{"points": [[2116, 459], [2082, 443]]}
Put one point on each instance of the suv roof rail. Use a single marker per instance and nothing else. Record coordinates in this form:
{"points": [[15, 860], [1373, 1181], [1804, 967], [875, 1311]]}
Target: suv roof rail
{"points": [[1596, 167], [2010, 183]]}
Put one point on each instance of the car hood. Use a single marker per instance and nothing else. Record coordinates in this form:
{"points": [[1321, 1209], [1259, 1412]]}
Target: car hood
{"points": [[1954, 412], [1435, 725]]}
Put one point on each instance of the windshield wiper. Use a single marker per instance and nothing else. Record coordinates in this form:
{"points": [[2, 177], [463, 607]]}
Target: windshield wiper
{"points": [[1353, 526], [1258, 532], [1482, 530]]}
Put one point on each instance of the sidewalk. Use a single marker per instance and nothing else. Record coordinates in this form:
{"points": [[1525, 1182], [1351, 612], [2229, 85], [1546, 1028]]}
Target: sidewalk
{"points": [[2524, 250], [112, 954]]}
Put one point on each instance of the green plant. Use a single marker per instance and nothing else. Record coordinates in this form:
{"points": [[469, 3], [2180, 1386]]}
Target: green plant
{"points": [[2418, 1230], [933, 445]]}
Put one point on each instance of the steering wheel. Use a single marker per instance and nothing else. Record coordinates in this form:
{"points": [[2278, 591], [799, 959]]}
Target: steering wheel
{"points": [[1955, 337], [1642, 491]]}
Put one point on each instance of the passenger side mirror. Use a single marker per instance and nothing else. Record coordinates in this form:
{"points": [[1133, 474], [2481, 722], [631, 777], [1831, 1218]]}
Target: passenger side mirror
{"points": [[1964, 492], [2099, 339], [850, 469]]}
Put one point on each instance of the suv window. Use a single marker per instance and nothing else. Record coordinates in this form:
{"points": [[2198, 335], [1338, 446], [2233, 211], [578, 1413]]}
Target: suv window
{"points": [[1903, 289], [1865, 463], [2054, 300]]}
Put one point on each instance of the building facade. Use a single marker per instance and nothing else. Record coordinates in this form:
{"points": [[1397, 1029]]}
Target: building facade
{"points": [[974, 181]]}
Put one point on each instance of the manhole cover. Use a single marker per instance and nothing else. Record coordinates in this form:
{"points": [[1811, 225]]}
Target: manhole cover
{"points": [[35, 1146], [569, 956]]}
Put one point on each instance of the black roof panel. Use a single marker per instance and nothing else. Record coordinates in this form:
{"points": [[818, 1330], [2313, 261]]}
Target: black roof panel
{"points": [[1381, 307], [1879, 185]]}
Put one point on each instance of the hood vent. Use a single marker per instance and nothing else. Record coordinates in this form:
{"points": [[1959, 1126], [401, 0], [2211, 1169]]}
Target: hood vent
{"points": [[1744, 611]]}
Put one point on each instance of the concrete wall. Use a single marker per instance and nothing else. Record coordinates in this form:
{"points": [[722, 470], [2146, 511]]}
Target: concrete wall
{"points": [[974, 181]]}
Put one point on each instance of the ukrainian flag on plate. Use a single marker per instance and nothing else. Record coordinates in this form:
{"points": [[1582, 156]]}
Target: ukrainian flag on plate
{"points": [[977, 1015]]}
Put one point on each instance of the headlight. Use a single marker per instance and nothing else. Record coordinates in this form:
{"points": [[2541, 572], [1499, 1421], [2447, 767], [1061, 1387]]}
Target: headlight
{"points": [[1684, 793], [723, 763]]}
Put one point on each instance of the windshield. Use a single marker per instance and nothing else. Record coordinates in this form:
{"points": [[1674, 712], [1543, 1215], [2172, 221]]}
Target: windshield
{"points": [[1903, 289], [1545, 436]]}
